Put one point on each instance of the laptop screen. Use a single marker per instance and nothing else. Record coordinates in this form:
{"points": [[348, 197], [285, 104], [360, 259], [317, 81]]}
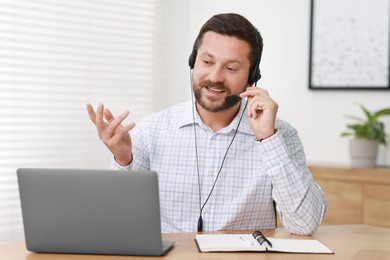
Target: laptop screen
{"points": [[91, 211]]}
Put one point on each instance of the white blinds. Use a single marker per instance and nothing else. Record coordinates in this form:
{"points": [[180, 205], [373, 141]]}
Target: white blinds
{"points": [[56, 55]]}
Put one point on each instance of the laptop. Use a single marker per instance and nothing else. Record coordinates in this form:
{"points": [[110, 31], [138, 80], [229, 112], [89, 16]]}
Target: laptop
{"points": [[77, 211]]}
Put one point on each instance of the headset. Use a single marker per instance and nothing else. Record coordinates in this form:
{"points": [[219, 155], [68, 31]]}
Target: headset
{"points": [[254, 74]]}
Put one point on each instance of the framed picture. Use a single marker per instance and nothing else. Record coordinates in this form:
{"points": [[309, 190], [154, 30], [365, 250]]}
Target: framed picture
{"points": [[349, 45]]}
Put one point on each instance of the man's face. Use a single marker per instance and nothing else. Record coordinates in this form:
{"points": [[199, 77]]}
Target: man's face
{"points": [[221, 69]]}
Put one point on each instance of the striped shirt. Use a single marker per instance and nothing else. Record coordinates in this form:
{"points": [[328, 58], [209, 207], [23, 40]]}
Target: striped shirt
{"points": [[253, 176]]}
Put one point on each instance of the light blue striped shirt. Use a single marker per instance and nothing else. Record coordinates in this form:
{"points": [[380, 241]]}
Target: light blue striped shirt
{"points": [[253, 176]]}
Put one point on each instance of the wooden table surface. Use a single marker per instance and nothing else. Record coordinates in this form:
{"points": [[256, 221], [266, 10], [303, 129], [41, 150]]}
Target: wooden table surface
{"points": [[347, 241]]}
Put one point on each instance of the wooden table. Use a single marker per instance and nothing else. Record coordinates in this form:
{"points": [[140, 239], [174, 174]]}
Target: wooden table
{"points": [[347, 241]]}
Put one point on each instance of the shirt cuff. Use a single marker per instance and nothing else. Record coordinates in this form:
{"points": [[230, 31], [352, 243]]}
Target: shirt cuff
{"points": [[273, 152], [116, 166]]}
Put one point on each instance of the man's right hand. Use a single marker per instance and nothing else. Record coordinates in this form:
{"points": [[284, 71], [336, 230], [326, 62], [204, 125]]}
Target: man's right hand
{"points": [[113, 134]]}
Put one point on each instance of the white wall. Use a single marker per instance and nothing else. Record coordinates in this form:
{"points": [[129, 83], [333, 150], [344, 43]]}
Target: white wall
{"points": [[319, 116]]}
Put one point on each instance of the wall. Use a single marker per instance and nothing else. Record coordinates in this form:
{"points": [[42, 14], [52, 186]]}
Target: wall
{"points": [[319, 116]]}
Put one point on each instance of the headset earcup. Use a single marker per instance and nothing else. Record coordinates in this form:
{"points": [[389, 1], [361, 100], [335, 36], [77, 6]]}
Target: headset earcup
{"points": [[255, 76], [192, 58]]}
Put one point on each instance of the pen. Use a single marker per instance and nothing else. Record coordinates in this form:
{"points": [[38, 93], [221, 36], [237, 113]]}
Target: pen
{"points": [[261, 238]]}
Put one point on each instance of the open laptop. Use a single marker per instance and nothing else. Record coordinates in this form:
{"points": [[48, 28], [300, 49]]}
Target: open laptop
{"points": [[91, 212]]}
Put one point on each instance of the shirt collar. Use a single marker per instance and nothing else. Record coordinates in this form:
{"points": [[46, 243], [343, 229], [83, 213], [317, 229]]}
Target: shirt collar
{"points": [[187, 119]]}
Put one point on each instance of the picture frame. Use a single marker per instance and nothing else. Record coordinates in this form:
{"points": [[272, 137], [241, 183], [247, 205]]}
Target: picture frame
{"points": [[349, 45]]}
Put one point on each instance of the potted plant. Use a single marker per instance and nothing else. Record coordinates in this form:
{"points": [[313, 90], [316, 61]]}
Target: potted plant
{"points": [[368, 133]]}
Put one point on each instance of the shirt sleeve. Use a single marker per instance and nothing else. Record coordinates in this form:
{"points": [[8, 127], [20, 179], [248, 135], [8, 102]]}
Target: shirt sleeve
{"points": [[300, 202], [140, 148], [116, 166]]}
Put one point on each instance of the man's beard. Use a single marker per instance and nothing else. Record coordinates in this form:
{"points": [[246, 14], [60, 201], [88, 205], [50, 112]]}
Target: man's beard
{"points": [[212, 105]]}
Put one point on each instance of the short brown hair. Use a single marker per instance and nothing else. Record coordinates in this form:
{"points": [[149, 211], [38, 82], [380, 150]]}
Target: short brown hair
{"points": [[236, 25]]}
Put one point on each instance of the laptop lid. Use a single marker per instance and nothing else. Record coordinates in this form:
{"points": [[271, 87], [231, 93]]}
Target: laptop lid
{"points": [[91, 211]]}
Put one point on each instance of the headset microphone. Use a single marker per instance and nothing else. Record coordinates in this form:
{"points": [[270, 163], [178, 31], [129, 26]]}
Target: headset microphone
{"points": [[232, 100]]}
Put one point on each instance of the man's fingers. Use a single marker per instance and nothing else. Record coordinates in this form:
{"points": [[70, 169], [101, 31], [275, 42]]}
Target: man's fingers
{"points": [[252, 107], [106, 124], [114, 125], [91, 113], [108, 115], [251, 91], [124, 131], [99, 121], [128, 127], [115, 122]]}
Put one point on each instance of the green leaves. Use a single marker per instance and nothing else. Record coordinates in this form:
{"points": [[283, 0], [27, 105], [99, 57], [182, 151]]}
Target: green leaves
{"points": [[370, 127]]}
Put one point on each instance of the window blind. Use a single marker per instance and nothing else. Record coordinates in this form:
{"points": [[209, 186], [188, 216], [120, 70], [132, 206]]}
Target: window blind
{"points": [[55, 56]]}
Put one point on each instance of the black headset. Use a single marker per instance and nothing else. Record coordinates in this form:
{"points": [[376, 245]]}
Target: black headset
{"points": [[254, 75]]}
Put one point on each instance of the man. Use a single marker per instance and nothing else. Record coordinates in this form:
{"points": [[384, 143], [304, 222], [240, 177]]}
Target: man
{"points": [[223, 161]]}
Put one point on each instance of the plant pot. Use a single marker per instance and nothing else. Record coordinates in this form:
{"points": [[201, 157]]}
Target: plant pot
{"points": [[363, 152]]}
